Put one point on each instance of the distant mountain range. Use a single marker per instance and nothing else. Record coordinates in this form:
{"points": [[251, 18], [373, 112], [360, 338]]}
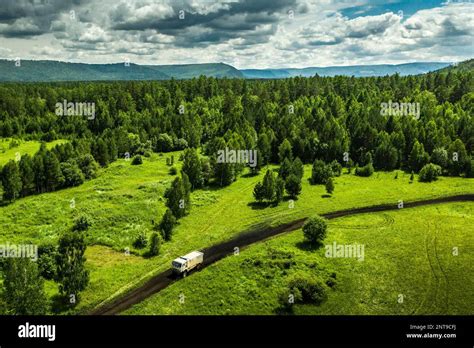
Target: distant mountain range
{"points": [[45, 70]]}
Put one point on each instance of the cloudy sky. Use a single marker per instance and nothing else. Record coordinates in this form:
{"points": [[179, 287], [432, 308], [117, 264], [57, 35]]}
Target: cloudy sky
{"points": [[243, 33]]}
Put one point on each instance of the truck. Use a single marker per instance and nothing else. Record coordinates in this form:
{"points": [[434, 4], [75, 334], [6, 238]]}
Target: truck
{"points": [[184, 264]]}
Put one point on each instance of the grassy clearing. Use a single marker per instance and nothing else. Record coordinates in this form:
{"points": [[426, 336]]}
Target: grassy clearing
{"points": [[408, 252], [25, 147], [125, 199]]}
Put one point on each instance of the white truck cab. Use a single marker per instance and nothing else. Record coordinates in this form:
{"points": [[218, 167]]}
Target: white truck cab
{"points": [[184, 264]]}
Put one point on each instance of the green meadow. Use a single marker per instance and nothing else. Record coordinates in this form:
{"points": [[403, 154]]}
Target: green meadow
{"points": [[126, 200], [415, 261], [23, 148]]}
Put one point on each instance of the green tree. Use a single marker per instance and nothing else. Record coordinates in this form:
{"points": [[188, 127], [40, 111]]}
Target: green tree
{"points": [[258, 192], [155, 244], [178, 198], [330, 186], [293, 185], [279, 189], [71, 274], [285, 169], [72, 174], [11, 181], [458, 158], [440, 157], [269, 185], [418, 157], [297, 168], [23, 288], [315, 229], [52, 171], [285, 151], [88, 166], [429, 172], [321, 172], [193, 168], [27, 175], [167, 225]]}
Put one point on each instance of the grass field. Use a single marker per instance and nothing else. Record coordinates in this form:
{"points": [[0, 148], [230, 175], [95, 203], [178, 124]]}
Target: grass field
{"points": [[25, 147], [406, 252], [125, 199]]}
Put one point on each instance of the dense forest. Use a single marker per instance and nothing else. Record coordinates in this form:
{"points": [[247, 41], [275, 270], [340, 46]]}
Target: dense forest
{"points": [[316, 119]]}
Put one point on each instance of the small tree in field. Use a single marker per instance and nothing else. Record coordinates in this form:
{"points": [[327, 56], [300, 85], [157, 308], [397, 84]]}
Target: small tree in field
{"points": [[330, 186], [293, 185], [258, 192], [155, 244], [279, 189], [167, 224], [314, 229]]}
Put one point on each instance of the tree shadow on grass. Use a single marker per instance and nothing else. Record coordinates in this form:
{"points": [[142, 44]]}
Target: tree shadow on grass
{"points": [[326, 196], [308, 246], [260, 205]]}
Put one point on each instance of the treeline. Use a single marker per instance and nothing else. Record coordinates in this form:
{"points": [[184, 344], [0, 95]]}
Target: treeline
{"points": [[322, 118]]}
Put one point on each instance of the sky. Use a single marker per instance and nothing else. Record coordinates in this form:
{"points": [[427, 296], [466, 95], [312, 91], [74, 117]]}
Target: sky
{"points": [[242, 33]]}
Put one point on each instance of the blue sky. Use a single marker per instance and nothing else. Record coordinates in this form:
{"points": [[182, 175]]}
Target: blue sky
{"points": [[244, 33]]}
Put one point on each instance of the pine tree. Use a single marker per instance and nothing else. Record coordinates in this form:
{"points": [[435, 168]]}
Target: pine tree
{"points": [[52, 172], [285, 151], [155, 244], [11, 181], [27, 175], [293, 185], [192, 167], [329, 186], [167, 224], [258, 193], [279, 189], [269, 186]]}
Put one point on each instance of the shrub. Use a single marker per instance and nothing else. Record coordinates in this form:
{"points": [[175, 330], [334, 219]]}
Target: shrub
{"points": [[312, 291], [314, 229], [330, 186], [293, 185], [336, 168], [321, 172], [173, 171], [141, 241], [82, 223], [167, 224], [137, 160], [47, 261], [258, 192], [365, 171], [429, 173]]}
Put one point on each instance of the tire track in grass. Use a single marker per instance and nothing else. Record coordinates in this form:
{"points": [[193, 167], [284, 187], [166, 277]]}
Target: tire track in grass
{"points": [[219, 251], [444, 276]]}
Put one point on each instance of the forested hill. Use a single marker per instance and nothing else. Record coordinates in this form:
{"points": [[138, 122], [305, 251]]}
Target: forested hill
{"points": [[47, 71], [354, 70], [467, 65]]}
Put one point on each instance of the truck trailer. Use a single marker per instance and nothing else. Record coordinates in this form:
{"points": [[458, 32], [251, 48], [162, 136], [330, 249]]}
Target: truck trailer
{"points": [[184, 264]]}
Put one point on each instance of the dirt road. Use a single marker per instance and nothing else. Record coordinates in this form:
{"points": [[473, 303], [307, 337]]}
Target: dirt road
{"points": [[219, 251]]}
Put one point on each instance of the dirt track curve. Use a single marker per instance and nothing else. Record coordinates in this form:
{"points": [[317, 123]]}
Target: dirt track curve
{"points": [[219, 251]]}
